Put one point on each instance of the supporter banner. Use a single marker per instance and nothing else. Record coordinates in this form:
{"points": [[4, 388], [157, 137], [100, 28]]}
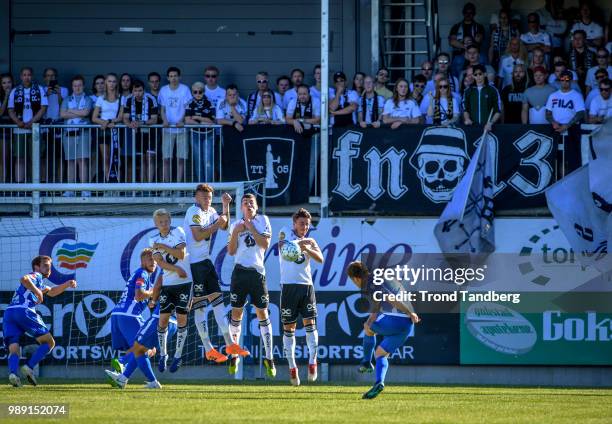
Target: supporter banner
{"points": [[415, 169], [273, 152], [80, 324], [495, 333]]}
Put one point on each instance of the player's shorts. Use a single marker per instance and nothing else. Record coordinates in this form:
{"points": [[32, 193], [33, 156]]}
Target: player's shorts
{"points": [[395, 330], [297, 299], [123, 331], [175, 298], [248, 282], [205, 278], [147, 335], [19, 321]]}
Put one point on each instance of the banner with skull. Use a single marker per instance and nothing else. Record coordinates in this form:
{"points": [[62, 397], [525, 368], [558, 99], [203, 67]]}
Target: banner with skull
{"points": [[415, 169]]}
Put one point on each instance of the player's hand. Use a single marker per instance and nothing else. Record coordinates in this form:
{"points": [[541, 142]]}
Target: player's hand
{"points": [[297, 127], [72, 284], [396, 125], [222, 221], [376, 124], [226, 199], [160, 246], [239, 228], [304, 243], [415, 318], [248, 224], [39, 295], [181, 272], [368, 329]]}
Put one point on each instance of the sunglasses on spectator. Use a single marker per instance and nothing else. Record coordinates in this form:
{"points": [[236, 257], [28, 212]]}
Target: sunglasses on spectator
{"points": [[478, 74], [267, 96], [197, 92], [443, 62], [565, 79], [426, 69], [604, 89], [443, 85], [262, 81], [419, 85], [602, 56], [598, 77], [210, 76]]}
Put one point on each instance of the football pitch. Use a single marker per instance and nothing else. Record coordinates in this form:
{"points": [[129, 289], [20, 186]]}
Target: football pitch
{"points": [[221, 402]]}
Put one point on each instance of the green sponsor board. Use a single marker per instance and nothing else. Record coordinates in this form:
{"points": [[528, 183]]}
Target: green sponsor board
{"points": [[497, 333]]}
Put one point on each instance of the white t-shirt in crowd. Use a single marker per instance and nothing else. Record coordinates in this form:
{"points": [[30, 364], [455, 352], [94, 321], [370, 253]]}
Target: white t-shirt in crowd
{"points": [[539, 38], [108, 110], [274, 114], [289, 95], [405, 109], [506, 65], [593, 30], [249, 254], [589, 99], [214, 96], [196, 217], [224, 110], [590, 76], [601, 107], [564, 105], [316, 108], [174, 102]]}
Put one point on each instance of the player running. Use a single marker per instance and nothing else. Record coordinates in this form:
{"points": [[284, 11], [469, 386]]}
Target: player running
{"points": [[20, 317], [145, 345], [248, 241], [169, 253], [126, 317], [392, 320], [201, 223], [298, 295]]}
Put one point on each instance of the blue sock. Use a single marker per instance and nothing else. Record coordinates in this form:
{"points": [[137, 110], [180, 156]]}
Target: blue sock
{"points": [[38, 356], [382, 365], [126, 358], [130, 367], [13, 363], [145, 366], [369, 342]]}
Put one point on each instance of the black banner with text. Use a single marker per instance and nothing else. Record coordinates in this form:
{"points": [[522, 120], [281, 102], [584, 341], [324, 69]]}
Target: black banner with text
{"points": [[415, 169]]}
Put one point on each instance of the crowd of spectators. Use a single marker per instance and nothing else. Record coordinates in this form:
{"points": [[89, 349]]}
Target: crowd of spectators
{"points": [[553, 70]]}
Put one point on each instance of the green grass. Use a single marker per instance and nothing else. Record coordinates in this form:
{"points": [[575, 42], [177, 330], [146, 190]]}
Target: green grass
{"points": [[221, 402]]}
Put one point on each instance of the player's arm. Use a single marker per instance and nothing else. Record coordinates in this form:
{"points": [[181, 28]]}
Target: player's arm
{"points": [[407, 309], [311, 248], [202, 233], [177, 251], [61, 288], [232, 244], [27, 282], [159, 260], [368, 324], [156, 290], [261, 240]]}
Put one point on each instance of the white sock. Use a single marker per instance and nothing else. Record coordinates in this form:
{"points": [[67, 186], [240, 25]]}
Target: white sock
{"points": [[235, 329], [312, 340], [289, 347], [181, 336], [162, 338], [202, 326], [265, 328], [221, 318]]}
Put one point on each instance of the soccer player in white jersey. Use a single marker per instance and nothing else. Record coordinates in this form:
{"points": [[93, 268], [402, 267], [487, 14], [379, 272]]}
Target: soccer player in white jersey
{"points": [[249, 238], [298, 295], [170, 254], [201, 223]]}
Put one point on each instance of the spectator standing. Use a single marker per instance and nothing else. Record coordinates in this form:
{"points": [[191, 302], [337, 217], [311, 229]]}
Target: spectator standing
{"points": [[358, 83], [6, 85], [315, 90], [593, 32], [154, 81], [514, 55], [467, 79], [443, 67], [500, 37], [201, 111], [173, 99], [418, 87], [27, 105], [107, 113], [555, 78], [443, 105], [536, 60], [141, 110], [52, 138], [382, 78], [297, 79], [581, 59], [303, 112], [267, 112], [601, 107], [97, 88], [600, 75], [552, 21], [371, 105], [125, 87], [535, 38], [481, 101], [283, 84], [343, 106], [213, 92], [535, 97], [254, 99], [513, 95], [76, 110], [473, 58], [232, 110], [468, 26], [401, 109], [603, 62]]}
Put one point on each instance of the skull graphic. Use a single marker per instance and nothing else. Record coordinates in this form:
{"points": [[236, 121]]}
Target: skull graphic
{"points": [[440, 160]]}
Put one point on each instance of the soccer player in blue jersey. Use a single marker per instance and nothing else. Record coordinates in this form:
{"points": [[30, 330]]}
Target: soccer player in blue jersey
{"points": [[20, 317], [126, 317], [393, 320]]}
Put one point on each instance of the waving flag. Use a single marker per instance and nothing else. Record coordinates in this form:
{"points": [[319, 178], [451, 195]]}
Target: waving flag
{"points": [[77, 255]]}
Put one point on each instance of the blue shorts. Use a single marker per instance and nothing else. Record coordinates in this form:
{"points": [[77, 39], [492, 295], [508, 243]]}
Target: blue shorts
{"points": [[18, 321], [147, 336], [395, 330], [123, 331]]}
